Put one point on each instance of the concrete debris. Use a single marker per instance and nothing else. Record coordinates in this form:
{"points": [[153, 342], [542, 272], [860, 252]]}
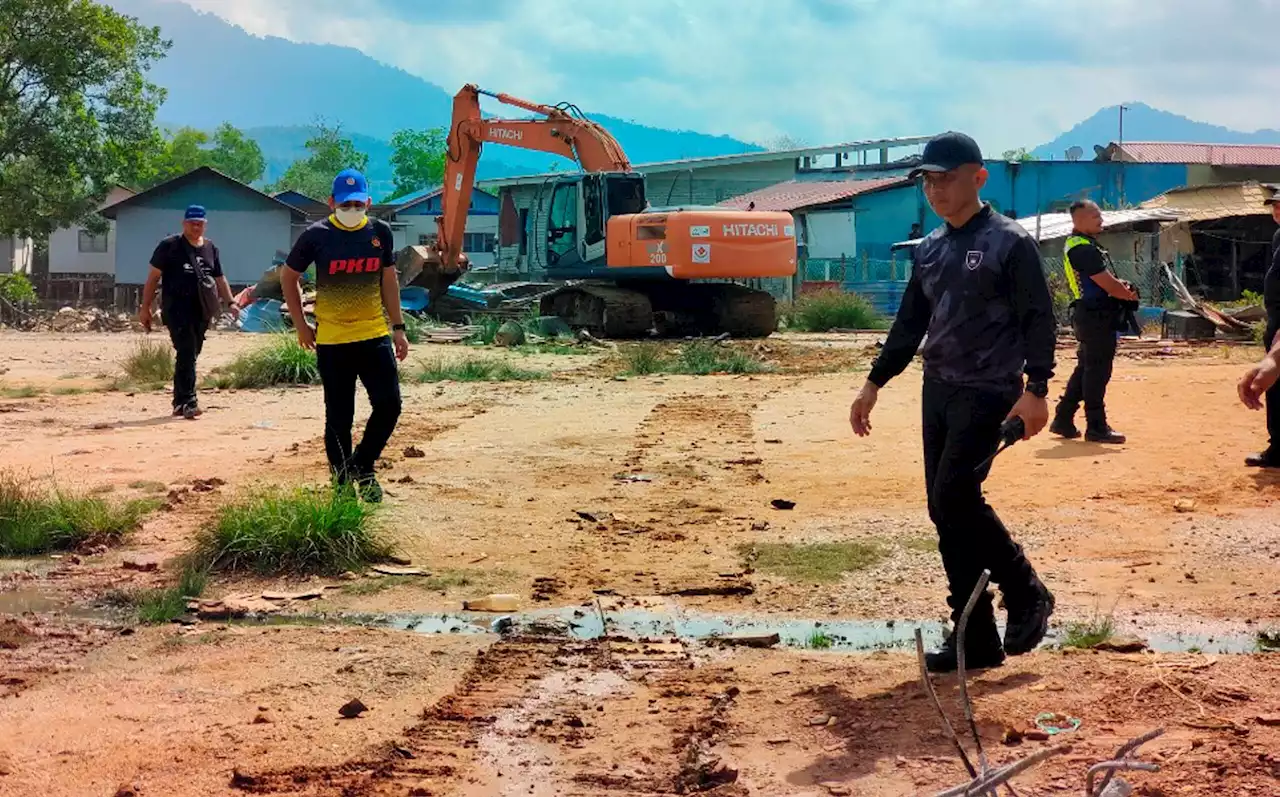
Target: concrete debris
{"points": [[1122, 645], [395, 570]]}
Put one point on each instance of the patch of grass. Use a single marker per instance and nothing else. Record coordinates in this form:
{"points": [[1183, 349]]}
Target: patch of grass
{"points": [[1269, 641], [149, 363], [148, 486], [157, 606], [273, 531], [68, 391], [814, 563], [701, 358], [820, 641], [413, 327], [21, 392], [644, 359], [34, 520], [1089, 633], [474, 370], [281, 361], [487, 329], [827, 310]]}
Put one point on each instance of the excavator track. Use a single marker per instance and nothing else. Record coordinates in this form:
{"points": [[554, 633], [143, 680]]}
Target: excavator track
{"points": [[606, 311], [669, 309]]}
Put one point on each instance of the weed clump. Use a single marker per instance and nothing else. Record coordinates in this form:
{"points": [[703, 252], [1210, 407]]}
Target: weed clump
{"points": [[34, 520], [273, 531], [813, 563], [150, 362], [281, 361], [474, 370], [824, 311]]}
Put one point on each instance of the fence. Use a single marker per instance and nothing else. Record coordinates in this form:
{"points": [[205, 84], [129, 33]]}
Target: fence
{"points": [[882, 281]]}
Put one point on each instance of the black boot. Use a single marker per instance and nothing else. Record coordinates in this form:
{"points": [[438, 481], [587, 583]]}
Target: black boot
{"points": [[1099, 431], [1028, 618], [1064, 428], [981, 643], [1265, 459]]}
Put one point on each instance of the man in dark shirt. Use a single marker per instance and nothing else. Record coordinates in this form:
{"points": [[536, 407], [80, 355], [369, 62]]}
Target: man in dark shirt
{"points": [[977, 290], [179, 264], [355, 281], [1269, 457], [1097, 316]]}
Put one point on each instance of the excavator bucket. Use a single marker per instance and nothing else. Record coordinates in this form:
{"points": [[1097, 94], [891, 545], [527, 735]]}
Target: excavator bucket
{"points": [[421, 266]]}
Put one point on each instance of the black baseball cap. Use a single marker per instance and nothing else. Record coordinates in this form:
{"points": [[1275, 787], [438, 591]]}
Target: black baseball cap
{"points": [[1274, 199], [948, 151]]}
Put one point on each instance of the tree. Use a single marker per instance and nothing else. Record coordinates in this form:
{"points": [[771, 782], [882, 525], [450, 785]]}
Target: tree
{"points": [[229, 151], [1019, 155], [418, 159], [76, 108], [783, 143], [330, 153]]}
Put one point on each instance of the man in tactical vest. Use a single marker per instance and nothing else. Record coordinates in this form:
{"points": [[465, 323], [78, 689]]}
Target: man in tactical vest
{"points": [[1097, 314]]}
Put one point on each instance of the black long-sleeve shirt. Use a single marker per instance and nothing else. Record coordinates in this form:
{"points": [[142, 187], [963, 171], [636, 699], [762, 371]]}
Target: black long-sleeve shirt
{"points": [[980, 293]]}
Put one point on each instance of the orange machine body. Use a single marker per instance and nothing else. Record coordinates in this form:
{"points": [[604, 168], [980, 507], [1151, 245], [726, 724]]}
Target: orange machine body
{"points": [[704, 243]]}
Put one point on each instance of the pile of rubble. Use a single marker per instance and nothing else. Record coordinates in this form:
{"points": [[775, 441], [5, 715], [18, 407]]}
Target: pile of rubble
{"points": [[72, 319]]}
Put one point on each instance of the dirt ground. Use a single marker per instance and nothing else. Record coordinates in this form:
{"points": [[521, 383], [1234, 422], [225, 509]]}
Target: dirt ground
{"points": [[647, 488]]}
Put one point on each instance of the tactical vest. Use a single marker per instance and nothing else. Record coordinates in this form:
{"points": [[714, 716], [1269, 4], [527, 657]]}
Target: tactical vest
{"points": [[1072, 242]]}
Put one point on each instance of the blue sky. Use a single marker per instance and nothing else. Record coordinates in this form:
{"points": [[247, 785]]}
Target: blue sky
{"points": [[1011, 72]]}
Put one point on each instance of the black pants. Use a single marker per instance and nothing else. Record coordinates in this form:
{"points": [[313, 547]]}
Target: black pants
{"points": [[961, 429], [188, 342], [1273, 405], [1095, 358], [373, 362]]}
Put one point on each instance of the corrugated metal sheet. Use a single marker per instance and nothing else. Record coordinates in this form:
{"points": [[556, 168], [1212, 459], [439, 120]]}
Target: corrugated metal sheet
{"points": [[1201, 154], [798, 194], [884, 295], [1204, 202], [1058, 225]]}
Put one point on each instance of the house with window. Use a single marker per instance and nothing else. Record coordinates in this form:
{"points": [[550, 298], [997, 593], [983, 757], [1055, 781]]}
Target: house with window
{"points": [[15, 255], [82, 263], [248, 226], [413, 220]]}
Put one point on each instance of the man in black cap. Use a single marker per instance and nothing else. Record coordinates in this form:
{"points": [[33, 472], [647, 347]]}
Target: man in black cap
{"points": [[977, 290], [1261, 379], [184, 264]]}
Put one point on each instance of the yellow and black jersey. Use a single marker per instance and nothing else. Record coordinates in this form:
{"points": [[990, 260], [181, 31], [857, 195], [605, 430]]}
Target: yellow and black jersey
{"points": [[349, 264]]}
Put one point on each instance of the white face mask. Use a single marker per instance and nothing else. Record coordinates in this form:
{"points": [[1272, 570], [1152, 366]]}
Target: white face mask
{"points": [[351, 218]]}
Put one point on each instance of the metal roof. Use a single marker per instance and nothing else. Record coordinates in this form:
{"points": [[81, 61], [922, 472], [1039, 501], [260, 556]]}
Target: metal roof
{"points": [[1054, 226], [797, 194], [1217, 201], [112, 210], [657, 167], [1201, 154]]}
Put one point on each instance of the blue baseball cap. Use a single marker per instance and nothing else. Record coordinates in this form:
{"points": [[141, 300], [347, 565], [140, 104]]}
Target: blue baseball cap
{"points": [[350, 186], [194, 213]]}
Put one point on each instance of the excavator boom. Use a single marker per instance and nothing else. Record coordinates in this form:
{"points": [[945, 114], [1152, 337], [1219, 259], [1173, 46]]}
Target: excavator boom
{"points": [[559, 132]]}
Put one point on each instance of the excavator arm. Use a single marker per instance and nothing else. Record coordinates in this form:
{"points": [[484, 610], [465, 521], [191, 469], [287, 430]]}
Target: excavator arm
{"points": [[562, 131]]}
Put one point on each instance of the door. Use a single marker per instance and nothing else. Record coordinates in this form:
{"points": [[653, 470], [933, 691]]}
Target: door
{"points": [[562, 224], [594, 218]]}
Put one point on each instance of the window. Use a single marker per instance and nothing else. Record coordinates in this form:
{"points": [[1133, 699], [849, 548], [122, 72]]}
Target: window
{"points": [[425, 240], [92, 243], [478, 242]]}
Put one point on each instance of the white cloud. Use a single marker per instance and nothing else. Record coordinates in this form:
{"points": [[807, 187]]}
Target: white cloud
{"points": [[1012, 72]]}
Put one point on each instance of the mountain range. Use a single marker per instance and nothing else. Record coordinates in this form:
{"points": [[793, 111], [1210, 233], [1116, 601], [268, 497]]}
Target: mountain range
{"points": [[275, 89], [1144, 123]]}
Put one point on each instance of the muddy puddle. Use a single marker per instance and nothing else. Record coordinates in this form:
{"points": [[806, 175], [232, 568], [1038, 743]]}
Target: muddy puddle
{"points": [[33, 601], [856, 636]]}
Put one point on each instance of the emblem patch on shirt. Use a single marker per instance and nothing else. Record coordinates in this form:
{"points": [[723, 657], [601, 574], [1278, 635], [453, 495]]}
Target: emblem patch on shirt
{"points": [[973, 259], [376, 243]]}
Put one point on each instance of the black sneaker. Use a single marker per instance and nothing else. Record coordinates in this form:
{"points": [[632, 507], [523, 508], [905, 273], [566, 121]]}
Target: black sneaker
{"points": [[945, 658], [1029, 621], [1106, 435], [1264, 460], [1064, 429]]}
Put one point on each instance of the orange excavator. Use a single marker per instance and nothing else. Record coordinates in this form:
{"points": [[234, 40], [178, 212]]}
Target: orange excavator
{"points": [[628, 269]]}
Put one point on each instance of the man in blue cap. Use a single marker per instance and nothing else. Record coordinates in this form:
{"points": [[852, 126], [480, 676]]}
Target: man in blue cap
{"points": [[194, 293], [978, 291], [355, 282]]}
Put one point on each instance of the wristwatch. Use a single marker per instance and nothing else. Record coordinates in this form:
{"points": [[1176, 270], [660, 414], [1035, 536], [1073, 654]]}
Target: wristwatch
{"points": [[1038, 389], [397, 327]]}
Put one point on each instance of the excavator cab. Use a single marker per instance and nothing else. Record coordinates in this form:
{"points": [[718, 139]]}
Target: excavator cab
{"points": [[578, 215]]}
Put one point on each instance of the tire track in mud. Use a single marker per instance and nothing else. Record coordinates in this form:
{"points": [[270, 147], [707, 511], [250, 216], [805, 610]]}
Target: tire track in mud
{"points": [[548, 716], [699, 449]]}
